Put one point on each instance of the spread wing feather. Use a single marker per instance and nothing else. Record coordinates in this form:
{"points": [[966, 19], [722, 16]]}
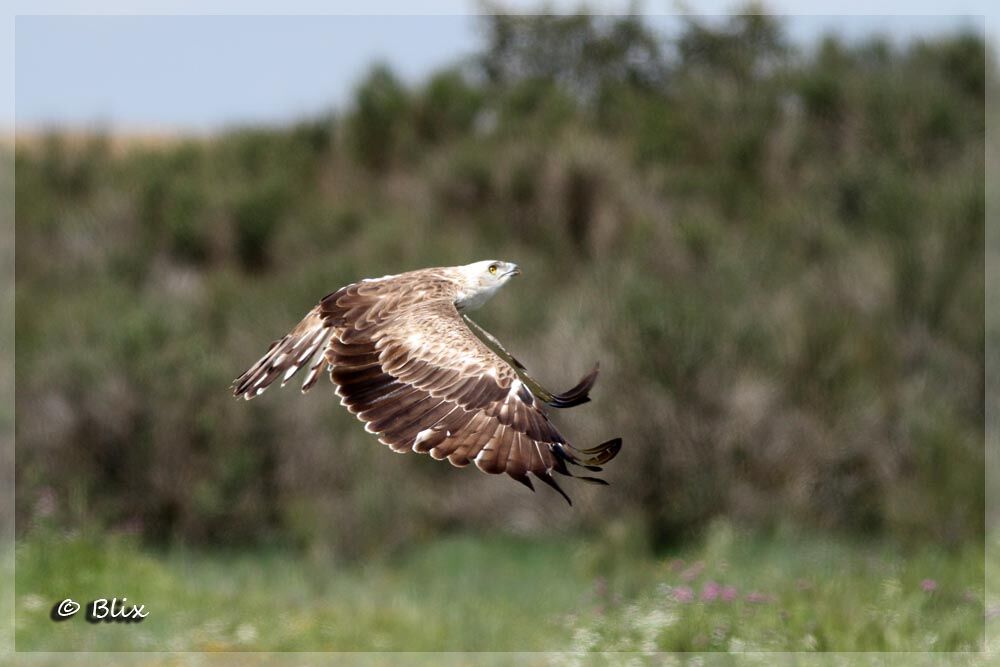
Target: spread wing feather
{"points": [[303, 346], [406, 364]]}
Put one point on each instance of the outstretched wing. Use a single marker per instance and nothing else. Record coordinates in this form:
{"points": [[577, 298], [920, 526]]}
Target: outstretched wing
{"points": [[304, 345], [423, 382], [363, 304], [407, 365]]}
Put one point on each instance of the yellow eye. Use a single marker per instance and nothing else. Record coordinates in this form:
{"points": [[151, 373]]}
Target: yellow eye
{"points": [[493, 268]]}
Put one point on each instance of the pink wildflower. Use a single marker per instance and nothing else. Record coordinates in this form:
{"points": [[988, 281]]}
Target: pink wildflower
{"points": [[710, 591], [928, 585], [683, 594], [728, 593], [757, 596]]}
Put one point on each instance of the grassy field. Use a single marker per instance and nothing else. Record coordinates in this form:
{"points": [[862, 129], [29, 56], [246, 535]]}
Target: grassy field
{"points": [[730, 592]]}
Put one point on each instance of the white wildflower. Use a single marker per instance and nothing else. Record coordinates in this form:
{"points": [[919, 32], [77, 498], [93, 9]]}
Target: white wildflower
{"points": [[585, 639], [32, 602], [246, 633]]}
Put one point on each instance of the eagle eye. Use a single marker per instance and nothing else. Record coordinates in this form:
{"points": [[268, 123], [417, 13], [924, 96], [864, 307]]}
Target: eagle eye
{"points": [[493, 268]]}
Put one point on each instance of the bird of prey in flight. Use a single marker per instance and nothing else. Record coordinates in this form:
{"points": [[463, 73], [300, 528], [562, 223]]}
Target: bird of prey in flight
{"points": [[408, 361]]}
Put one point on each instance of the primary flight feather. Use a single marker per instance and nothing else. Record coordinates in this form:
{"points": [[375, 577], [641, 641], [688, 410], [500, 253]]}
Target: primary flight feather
{"points": [[408, 362]]}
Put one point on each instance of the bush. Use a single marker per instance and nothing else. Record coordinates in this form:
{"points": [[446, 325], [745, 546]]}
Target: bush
{"points": [[185, 219], [379, 120], [257, 216], [447, 107]]}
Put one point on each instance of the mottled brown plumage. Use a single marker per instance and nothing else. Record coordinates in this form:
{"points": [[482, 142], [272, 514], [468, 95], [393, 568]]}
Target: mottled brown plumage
{"points": [[424, 378]]}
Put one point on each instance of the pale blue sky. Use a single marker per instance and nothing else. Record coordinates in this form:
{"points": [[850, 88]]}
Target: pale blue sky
{"points": [[204, 72]]}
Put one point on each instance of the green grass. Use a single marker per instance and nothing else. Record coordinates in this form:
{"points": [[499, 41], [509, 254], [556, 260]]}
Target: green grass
{"points": [[469, 593], [783, 594], [456, 594]]}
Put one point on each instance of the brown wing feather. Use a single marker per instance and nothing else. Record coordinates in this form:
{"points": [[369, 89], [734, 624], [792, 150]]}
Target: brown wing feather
{"points": [[304, 345], [454, 397], [405, 363]]}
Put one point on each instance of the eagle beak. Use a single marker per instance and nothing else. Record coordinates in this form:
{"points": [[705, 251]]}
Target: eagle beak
{"points": [[516, 271]]}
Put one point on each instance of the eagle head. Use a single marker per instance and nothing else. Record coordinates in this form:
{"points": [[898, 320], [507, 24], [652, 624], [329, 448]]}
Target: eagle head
{"points": [[480, 280]]}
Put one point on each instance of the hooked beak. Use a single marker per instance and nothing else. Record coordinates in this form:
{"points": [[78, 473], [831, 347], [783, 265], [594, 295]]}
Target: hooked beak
{"points": [[516, 271]]}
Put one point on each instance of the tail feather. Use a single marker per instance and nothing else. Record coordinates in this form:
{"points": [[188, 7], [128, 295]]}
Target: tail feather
{"points": [[578, 395], [590, 458], [303, 345]]}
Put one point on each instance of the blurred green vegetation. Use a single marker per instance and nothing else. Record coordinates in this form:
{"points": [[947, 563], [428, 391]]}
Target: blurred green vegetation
{"points": [[788, 592], [775, 254], [728, 592], [456, 594]]}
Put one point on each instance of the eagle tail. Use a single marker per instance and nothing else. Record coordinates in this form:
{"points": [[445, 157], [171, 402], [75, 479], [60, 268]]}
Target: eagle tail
{"points": [[304, 345], [590, 459], [593, 457], [578, 395]]}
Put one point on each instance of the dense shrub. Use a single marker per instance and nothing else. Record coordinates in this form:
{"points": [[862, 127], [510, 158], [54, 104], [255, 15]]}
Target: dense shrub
{"points": [[447, 107], [776, 256], [257, 215], [380, 119]]}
